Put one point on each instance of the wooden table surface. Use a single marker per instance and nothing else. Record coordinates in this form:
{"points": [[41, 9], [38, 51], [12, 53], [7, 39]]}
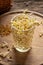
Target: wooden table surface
{"points": [[33, 5], [35, 55]]}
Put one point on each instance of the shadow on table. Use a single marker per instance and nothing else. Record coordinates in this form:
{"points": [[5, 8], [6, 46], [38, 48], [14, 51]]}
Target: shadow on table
{"points": [[20, 58]]}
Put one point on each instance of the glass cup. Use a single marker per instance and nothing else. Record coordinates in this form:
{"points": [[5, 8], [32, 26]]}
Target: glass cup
{"points": [[24, 39]]}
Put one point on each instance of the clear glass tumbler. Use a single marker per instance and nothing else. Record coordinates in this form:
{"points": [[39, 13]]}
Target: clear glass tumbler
{"points": [[24, 39]]}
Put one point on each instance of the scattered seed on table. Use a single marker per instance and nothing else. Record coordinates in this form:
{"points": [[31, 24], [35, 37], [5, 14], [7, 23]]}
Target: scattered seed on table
{"points": [[8, 49], [41, 35], [9, 59]]}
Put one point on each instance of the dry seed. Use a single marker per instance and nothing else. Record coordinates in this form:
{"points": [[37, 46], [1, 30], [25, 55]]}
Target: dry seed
{"points": [[5, 30], [8, 49], [41, 35], [9, 58], [4, 55]]}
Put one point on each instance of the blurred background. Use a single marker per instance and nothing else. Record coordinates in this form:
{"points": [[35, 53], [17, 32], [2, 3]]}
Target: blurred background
{"points": [[11, 5]]}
